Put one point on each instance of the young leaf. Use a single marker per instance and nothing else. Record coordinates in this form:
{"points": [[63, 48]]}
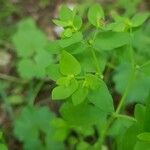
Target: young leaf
{"points": [[67, 33], [61, 23], [95, 14], [62, 92], [69, 65], [79, 95], [77, 22], [101, 97], [75, 38]]}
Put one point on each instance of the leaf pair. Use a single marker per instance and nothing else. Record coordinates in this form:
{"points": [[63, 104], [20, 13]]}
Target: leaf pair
{"points": [[69, 20], [69, 67]]}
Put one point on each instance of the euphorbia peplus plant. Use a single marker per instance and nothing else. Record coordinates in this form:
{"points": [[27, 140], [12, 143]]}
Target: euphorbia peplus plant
{"points": [[93, 59], [84, 55]]}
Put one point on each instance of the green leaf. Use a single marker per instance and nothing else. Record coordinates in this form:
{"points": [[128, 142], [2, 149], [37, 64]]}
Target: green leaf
{"points": [[61, 129], [53, 72], [139, 19], [101, 97], [145, 136], [95, 14], [67, 32], [77, 48], [27, 24], [26, 68], [28, 128], [43, 58], [82, 115], [61, 23], [53, 47], [62, 92], [75, 38], [91, 81], [109, 40], [77, 22], [66, 14], [119, 127], [30, 117], [140, 87], [116, 26], [130, 138], [139, 113], [69, 65], [28, 39], [79, 95], [86, 61], [63, 81]]}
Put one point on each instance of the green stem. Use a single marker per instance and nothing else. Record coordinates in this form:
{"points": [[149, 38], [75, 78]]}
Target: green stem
{"points": [[96, 61], [116, 114], [126, 117], [104, 132], [126, 91]]}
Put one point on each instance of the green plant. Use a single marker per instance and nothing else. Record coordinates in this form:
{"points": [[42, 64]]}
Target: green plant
{"points": [[34, 128], [82, 61], [30, 44], [87, 61]]}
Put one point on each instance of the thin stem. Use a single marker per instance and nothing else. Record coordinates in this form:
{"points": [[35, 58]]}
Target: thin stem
{"points": [[126, 91], [104, 132], [116, 114], [95, 61], [131, 77], [126, 117], [12, 79]]}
